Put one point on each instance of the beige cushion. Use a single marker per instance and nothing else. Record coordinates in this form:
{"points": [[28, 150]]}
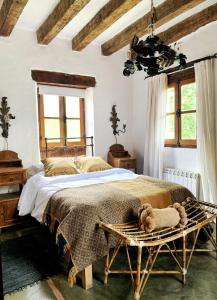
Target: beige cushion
{"points": [[91, 164], [55, 166]]}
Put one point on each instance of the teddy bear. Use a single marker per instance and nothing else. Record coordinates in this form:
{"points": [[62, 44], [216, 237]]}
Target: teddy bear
{"points": [[154, 218]]}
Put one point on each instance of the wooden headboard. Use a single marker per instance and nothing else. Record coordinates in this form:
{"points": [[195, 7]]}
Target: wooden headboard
{"points": [[69, 148]]}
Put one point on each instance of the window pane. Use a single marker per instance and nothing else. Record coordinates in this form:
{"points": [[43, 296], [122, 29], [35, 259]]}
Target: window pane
{"points": [[170, 127], [170, 100], [52, 129], [72, 107], [188, 126], [51, 106], [188, 96], [73, 129]]}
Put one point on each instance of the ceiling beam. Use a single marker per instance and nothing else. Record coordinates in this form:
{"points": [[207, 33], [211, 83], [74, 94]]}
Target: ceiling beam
{"points": [[63, 79], [189, 25], [107, 15], [165, 12], [58, 19], [9, 14]]}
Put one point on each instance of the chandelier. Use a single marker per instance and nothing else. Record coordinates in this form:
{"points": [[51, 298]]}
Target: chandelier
{"points": [[151, 55]]}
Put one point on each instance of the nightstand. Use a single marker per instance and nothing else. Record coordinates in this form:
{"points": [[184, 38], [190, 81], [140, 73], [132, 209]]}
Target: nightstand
{"points": [[126, 163], [120, 158], [12, 174]]}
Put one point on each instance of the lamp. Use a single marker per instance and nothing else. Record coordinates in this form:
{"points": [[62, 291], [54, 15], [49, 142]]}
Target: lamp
{"points": [[151, 55], [114, 120], [5, 117]]}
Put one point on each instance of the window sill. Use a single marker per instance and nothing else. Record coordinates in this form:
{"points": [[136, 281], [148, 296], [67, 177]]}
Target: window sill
{"points": [[181, 146]]}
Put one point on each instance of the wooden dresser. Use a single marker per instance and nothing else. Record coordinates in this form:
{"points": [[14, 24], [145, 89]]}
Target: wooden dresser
{"points": [[12, 174], [120, 158]]}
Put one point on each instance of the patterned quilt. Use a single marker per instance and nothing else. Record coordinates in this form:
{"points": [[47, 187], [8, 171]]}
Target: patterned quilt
{"points": [[78, 211]]}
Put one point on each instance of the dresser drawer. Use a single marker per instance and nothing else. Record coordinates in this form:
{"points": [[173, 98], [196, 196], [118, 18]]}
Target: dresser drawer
{"points": [[1, 214], [8, 210], [127, 164], [13, 178], [2, 220]]}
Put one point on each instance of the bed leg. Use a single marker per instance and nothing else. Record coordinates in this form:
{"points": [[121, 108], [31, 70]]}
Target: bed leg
{"points": [[87, 278]]}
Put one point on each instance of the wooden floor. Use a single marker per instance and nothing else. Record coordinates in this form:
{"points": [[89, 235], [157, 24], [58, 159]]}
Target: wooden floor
{"points": [[201, 282]]}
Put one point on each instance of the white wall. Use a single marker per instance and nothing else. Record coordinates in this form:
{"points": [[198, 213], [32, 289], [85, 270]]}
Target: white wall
{"points": [[20, 53], [199, 44]]}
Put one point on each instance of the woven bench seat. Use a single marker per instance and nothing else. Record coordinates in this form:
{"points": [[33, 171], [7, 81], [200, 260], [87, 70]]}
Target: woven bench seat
{"points": [[129, 235]]}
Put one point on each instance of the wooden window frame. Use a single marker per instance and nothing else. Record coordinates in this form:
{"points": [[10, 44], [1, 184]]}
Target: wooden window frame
{"points": [[177, 81], [62, 117], [173, 142]]}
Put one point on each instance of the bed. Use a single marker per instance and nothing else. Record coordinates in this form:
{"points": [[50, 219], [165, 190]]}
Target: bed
{"points": [[76, 204]]}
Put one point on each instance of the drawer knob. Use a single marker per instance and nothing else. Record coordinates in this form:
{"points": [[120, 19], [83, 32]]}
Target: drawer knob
{"points": [[11, 179]]}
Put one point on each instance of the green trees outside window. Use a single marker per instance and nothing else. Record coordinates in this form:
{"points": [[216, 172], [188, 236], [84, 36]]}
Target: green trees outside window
{"points": [[181, 114]]}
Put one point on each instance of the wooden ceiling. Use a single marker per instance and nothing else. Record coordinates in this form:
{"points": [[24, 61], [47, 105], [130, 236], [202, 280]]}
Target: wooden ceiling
{"points": [[66, 10], [9, 15]]}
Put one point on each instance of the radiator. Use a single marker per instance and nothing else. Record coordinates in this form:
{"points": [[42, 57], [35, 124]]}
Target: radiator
{"points": [[188, 179]]}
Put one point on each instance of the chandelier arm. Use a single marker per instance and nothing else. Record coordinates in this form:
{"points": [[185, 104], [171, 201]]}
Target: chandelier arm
{"points": [[153, 12]]}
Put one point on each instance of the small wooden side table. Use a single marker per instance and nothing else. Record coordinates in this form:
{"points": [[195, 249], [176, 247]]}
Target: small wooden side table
{"points": [[126, 163], [11, 174], [120, 158]]}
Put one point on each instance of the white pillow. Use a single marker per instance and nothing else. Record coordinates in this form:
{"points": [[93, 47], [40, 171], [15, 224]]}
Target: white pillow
{"points": [[34, 170]]}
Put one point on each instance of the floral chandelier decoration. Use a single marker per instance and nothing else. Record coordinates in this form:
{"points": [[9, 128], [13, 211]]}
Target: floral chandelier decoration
{"points": [[151, 55]]}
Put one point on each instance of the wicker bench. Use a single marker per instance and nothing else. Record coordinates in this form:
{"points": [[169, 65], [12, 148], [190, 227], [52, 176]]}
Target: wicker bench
{"points": [[129, 235]]}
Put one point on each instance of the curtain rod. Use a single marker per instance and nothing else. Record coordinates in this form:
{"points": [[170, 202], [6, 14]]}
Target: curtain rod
{"points": [[189, 64]]}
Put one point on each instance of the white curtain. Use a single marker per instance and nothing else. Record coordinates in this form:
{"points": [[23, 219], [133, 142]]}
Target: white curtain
{"points": [[156, 94], [206, 127]]}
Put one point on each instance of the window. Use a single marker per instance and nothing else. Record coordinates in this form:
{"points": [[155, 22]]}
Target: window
{"points": [[61, 117], [181, 112]]}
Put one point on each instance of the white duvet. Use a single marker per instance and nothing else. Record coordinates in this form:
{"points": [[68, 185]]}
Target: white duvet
{"points": [[38, 189]]}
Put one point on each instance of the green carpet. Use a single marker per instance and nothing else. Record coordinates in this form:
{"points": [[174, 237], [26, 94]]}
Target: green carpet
{"points": [[27, 260]]}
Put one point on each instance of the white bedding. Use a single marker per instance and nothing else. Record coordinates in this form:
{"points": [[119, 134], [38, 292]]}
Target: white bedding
{"points": [[38, 189]]}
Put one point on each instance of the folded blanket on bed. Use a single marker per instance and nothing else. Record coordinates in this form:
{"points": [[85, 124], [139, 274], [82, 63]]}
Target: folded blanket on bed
{"points": [[78, 211]]}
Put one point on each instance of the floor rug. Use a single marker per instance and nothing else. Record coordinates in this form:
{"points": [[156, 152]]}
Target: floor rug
{"points": [[27, 260]]}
